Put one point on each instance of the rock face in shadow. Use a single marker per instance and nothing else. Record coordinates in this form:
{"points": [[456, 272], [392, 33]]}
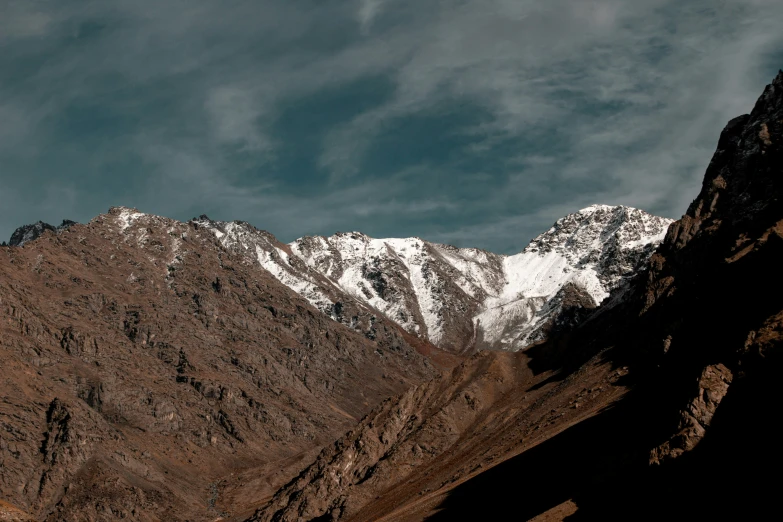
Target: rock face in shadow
{"points": [[148, 373], [402, 457], [697, 416], [657, 404]]}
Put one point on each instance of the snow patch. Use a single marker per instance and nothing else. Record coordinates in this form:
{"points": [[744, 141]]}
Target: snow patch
{"points": [[127, 217]]}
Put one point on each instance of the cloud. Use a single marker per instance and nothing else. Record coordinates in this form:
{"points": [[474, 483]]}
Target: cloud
{"points": [[21, 20], [634, 94], [473, 121], [236, 116], [531, 66], [15, 125], [367, 12]]}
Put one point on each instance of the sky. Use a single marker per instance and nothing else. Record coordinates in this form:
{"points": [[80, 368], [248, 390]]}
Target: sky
{"points": [[470, 122]]}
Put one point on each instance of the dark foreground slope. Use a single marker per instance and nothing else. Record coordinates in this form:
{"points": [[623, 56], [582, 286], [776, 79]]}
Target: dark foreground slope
{"points": [[663, 403], [150, 374]]}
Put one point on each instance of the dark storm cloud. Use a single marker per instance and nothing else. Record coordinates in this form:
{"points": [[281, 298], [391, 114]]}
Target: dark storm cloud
{"points": [[472, 122]]}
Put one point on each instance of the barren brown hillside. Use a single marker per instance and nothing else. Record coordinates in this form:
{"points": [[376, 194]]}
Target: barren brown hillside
{"points": [[145, 370]]}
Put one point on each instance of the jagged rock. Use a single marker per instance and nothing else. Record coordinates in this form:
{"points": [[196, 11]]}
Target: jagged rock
{"points": [[65, 448], [695, 419], [27, 233]]}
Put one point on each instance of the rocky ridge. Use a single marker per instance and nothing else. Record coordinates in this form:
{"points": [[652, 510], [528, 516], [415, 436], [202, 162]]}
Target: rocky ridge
{"points": [[576, 264], [261, 249]]}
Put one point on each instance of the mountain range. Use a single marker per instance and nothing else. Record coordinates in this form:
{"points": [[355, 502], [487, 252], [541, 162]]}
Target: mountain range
{"points": [[459, 299], [621, 366]]}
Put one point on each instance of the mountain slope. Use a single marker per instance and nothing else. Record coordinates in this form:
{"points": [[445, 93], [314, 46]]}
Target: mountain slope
{"points": [[657, 405], [151, 374], [461, 298], [262, 249]]}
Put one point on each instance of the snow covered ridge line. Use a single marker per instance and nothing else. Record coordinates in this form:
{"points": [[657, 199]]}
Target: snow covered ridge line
{"points": [[275, 257], [460, 298], [457, 298]]}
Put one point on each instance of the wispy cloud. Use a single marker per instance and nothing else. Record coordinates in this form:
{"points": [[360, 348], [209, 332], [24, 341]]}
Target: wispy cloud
{"points": [[367, 12], [531, 109], [239, 117], [23, 20]]}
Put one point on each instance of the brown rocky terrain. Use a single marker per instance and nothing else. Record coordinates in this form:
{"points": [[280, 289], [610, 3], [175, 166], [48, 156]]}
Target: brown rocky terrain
{"points": [[659, 404], [402, 459], [148, 373]]}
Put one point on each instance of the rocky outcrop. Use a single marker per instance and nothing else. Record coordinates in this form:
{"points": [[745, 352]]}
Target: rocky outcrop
{"points": [[10, 513], [695, 419], [27, 233], [66, 446]]}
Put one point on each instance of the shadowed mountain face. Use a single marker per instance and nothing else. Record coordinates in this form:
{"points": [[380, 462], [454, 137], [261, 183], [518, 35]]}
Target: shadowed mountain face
{"points": [[146, 369], [658, 404]]}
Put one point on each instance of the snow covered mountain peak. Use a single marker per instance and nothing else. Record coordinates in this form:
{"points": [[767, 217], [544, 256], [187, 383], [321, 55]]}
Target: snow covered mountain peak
{"points": [[593, 226], [589, 252], [599, 206], [461, 298]]}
